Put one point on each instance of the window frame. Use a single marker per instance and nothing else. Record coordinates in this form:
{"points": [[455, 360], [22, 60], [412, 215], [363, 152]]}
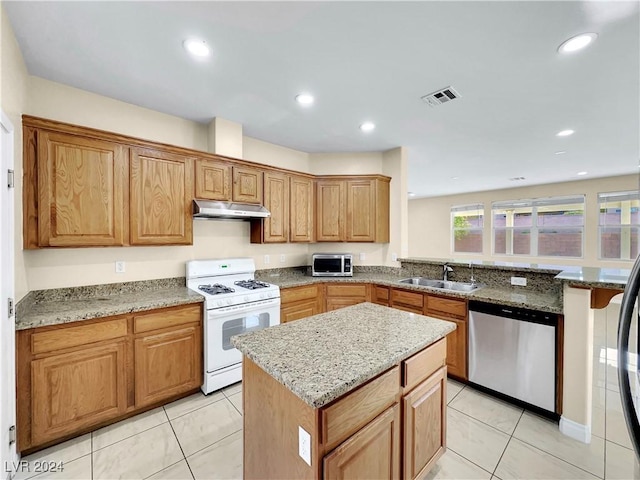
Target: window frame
{"points": [[604, 197], [452, 229]]}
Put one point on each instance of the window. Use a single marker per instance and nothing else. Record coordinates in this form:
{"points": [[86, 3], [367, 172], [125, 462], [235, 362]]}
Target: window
{"points": [[466, 226], [541, 227], [619, 221]]}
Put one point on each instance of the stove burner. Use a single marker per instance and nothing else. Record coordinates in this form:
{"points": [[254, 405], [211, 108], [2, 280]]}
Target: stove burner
{"points": [[215, 289], [251, 284]]}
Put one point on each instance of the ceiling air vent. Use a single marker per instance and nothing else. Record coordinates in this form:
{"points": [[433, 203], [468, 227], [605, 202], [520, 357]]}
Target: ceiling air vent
{"points": [[441, 96]]}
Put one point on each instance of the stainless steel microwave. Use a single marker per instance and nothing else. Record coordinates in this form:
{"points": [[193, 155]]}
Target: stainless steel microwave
{"points": [[332, 265]]}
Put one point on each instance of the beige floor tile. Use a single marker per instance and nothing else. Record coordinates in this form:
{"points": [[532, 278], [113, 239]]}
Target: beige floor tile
{"points": [[615, 425], [236, 400], [139, 456], [63, 452], [453, 466], [621, 463], [598, 413], [126, 428], [222, 460], [487, 409], [523, 461], [177, 471], [477, 442], [78, 469], [545, 435], [232, 389], [453, 389], [207, 425], [191, 403]]}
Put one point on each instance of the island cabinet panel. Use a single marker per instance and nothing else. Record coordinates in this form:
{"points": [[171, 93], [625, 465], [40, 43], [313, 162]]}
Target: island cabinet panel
{"points": [[161, 196], [373, 452], [300, 302], [330, 205], [247, 185], [302, 209], [453, 310], [81, 191], [407, 300], [213, 180], [345, 295], [425, 425], [75, 390], [275, 228], [423, 364]]}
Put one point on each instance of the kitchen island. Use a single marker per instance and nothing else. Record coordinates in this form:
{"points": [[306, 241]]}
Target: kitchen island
{"points": [[358, 392]]}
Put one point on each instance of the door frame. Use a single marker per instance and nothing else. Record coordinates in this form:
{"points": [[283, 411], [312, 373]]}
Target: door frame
{"points": [[8, 453]]}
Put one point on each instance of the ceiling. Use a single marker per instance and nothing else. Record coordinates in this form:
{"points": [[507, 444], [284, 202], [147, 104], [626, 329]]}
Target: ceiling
{"points": [[371, 61]]}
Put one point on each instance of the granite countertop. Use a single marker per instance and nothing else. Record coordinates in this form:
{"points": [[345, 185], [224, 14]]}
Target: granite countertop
{"points": [[489, 264], [524, 298], [58, 306], [323, 357], [595, 277]]}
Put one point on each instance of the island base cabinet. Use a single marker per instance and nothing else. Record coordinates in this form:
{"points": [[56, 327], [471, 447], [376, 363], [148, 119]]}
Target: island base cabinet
{"points": [[457, 350], [373, 452], [425, 425]]}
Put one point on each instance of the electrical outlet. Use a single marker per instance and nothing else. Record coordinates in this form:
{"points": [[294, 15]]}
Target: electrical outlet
{"points": [[304, 445], [520, 281], [283, 258], [120, 266], [394, 257], [362, 256], [266, 260]]}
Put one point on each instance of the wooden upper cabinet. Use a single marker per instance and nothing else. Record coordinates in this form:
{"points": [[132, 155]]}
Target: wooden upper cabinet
{"points": [[213, 180], [367, 210], [301, 210], [330, 211], [81, 187], [275, 228], [161, 195], [247, 185]]}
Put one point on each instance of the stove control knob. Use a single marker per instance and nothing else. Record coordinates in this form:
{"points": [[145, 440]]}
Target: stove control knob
{"points": [[262, 295], [219, 303], [229, 301], [246, 299]]}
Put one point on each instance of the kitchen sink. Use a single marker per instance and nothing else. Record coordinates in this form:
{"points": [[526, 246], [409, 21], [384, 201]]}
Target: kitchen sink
{"points": [[460, 287]]}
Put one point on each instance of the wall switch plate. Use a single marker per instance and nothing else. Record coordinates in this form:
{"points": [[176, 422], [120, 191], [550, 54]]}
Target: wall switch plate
{"points": [[362, 256], [266, 260], [304, 445], [120, 266], [283, 258], [520, 281], [394, 257]]}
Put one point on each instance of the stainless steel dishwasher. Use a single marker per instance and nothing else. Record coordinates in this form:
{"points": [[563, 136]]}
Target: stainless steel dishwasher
{"points": [[512, 351]]}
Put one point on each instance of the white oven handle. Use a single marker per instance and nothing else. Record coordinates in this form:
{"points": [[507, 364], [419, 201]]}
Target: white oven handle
{"points": [[244, 307]]}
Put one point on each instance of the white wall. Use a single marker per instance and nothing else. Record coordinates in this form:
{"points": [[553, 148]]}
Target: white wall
{"points": [[430, 220], [361, 163]]}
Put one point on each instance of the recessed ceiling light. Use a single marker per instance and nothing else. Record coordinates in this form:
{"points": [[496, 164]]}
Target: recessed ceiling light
{"points": [[455, 178], [565, 133], [581, 173], [411, 194], [561, 152], [577, 43], [304, 99], [196, 47], [517, 179], [367, 126]]}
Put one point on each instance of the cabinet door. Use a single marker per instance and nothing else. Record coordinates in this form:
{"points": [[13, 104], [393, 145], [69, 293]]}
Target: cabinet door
{"points": [[81, 185], [301, 208], [330, 211], [213, 180], [380, 295], [289, 313], [373, 452], [161, 196], [425, 425], [361, 211], [457, 349], [72, 391], [341, 302], [247, 185], [167, 364], [276, 200]]}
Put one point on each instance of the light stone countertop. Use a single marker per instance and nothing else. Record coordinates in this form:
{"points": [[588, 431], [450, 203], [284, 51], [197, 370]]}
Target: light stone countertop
{"points": [[323, 357], [595, 277]]}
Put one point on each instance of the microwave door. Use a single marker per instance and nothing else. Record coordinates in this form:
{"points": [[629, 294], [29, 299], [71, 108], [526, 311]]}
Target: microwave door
{"points": [[328, 265]]}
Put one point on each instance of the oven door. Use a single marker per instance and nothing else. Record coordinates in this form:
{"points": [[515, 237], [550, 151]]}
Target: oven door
{"points": [[222, 324]]}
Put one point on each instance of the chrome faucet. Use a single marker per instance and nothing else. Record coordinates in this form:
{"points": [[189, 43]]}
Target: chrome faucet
{"points": [[446, 270], [472, 280]]}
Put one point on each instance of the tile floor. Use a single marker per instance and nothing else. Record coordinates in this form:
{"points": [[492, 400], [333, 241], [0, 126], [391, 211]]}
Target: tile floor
{"points": [[201, 437]]}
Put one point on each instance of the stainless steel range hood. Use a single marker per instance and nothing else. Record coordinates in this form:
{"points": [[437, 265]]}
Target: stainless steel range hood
{"points": [[214, 209]]}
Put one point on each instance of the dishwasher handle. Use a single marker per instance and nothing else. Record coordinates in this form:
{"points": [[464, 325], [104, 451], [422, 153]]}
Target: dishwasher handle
{"points": [[515, 313]]}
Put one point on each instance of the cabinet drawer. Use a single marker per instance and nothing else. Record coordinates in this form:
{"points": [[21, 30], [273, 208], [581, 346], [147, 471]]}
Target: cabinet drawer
{"points": [[447, 306], [352, 412], [423, 364], [347, 291], [381, 294], [404, 297], [167, 318], [67, 337], [289, 295]]}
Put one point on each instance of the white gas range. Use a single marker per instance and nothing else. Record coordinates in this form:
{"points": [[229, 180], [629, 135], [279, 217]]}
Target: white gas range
{"points": [[234, 303]]}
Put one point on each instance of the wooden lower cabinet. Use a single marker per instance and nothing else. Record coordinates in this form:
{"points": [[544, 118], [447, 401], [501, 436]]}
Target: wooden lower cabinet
{"points": [[373, 452], [300, 302], [453, 310], [425, 425], [406, 300], [77, 377], [345, 295]]}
